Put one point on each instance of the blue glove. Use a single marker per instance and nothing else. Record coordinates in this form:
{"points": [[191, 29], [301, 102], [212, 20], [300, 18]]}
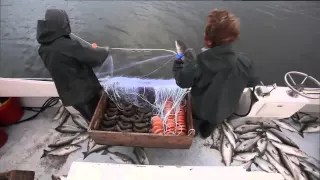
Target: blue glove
{"points": [[179, 56]]}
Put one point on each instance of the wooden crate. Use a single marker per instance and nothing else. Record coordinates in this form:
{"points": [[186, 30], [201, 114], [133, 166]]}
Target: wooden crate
{"points": [[139, 139]]}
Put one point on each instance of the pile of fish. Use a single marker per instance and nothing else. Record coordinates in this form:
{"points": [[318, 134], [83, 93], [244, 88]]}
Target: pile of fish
{"points": [[126, 118], [77, 134], [300, 123], [265, 145]]}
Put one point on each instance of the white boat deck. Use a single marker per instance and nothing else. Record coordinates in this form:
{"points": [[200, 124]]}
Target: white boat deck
{"points": [[27, 140]]}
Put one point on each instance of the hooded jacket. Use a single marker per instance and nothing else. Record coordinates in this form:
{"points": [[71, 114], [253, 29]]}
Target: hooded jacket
{"points": [[217, 79], [69, 63]]}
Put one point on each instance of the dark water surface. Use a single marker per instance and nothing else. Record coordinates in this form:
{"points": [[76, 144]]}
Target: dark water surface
{"points": [[278, 36]]}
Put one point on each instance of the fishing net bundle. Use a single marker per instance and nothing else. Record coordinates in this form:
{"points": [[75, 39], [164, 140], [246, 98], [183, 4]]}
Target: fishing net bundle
{"points": [[145, 93]]}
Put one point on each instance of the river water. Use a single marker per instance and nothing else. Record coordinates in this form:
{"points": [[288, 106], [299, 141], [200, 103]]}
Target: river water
{"points": [[278, 36]]}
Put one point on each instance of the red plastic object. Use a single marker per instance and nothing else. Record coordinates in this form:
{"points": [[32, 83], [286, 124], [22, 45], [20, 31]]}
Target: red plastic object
{"points": [[10, 111], [3, 137]]}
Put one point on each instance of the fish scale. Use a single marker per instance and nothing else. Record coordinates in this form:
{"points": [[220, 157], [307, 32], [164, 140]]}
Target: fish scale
{"points": [[273, 152], [247, 145], [289, 149], [282, 170], [265, 165], [229, 135], [62, 151], [141, 155], [294, 169], [63, 141], [226, 151]]}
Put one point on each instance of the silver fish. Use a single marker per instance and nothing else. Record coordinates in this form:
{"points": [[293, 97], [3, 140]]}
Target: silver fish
{"points": [[282, 170], [289, 149], [63, 141], [247, 165], [63, 177], [262, 145], [80, 121], [141, 155], [246, 128], [220, 141], [264, 165], [91, 144], [59, 113], [231, 128], [248, 135], [62, 151], [294, 159], [226, 151], [284, 139], [245, 157], [311, 177], [303, 176], [80, 138], [311, 128], [119, 157], [180, 47], [229, 135], [312, 169], [264, 124], [272, 137], [296, 125], [287, 127], [228, 125], [69, 129], [96, 148], [247, 144], [293, 168], [273, 152], [216, 137], [270, 124], [238, 143], [64, 117], [307, 119]]}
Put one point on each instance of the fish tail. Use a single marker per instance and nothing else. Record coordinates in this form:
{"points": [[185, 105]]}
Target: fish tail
{"points": [[214, 147], [301, 134], [85, 154], [259, 152], [105, 152], [45, 153], [278, 128]]}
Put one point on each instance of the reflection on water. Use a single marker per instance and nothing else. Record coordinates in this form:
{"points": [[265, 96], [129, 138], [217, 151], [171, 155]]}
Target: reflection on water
{"points": [[277, 36]]}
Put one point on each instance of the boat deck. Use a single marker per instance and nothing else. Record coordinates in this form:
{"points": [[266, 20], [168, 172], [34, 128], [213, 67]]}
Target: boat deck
{"points": [[27, 140]]}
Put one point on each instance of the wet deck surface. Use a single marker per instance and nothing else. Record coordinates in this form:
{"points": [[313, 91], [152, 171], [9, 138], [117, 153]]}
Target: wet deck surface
{"points": [[27, 141]]}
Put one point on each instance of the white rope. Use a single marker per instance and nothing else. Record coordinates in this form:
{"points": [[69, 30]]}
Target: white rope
{"points": [[125, 49]]}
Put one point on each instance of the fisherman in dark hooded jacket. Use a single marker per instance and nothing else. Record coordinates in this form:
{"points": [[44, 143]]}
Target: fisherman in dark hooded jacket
{"points": [[218, 75], [69, 63]]}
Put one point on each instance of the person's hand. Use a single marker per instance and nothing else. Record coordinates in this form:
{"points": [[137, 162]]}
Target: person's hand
{"points": [[179, 56]]}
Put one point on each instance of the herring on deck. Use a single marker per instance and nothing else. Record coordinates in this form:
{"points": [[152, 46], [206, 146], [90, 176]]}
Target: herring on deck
{"points": [[27, 141]]}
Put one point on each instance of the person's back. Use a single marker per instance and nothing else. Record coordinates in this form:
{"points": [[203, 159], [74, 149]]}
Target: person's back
{"points": [[69, 63], [218, 76]]}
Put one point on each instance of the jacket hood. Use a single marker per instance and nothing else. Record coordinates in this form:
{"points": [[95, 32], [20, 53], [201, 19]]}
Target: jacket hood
{"points": [[55, 25], [216, 58]]}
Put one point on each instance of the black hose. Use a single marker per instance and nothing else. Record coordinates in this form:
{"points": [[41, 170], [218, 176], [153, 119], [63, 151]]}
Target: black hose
{"points": [[49, 103], [251, 103]]}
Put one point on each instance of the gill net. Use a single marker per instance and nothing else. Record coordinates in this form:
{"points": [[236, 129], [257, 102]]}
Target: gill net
{"points": [[144, 80]]}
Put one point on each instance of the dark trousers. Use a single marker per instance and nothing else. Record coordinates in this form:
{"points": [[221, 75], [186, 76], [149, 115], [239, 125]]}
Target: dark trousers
{"points": [[87, 109]]}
